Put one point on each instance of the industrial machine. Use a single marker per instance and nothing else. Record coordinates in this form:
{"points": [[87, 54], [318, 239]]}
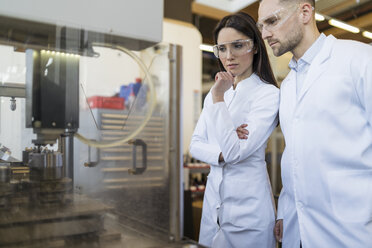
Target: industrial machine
{"points": [[88, 175]]}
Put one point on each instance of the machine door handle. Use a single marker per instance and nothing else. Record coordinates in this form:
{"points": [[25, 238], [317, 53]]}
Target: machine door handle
{"points": [[90, 163], [138, 170]]}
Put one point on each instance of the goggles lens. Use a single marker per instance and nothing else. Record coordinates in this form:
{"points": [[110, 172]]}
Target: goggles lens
{"points": [[276, 19], [236, 48]]}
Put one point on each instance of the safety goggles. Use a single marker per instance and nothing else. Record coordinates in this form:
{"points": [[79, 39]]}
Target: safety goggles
{"points": [[236, 48], [276, 19]]}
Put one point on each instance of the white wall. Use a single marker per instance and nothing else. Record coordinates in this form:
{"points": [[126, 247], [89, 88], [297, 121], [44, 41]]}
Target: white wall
{"points": [[189, 38]]}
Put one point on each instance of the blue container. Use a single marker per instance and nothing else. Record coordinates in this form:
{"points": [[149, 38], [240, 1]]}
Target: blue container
{"points": [[136, 87], [125, 91]]}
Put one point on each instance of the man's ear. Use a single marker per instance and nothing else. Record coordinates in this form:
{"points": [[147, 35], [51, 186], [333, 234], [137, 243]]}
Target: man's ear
{"points": [[307, 12]]}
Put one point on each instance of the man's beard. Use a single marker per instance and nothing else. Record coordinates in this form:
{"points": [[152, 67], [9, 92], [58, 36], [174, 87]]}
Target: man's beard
{"points": [[290, 43]]}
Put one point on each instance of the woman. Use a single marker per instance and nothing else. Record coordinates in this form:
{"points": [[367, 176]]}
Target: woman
{"points": [[238, 208]]}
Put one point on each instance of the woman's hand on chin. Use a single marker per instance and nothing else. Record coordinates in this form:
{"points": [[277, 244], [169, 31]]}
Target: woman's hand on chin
{"points": [[224, 81]]}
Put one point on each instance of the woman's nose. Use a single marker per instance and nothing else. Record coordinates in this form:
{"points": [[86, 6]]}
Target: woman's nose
{"points": [[229, 53]]}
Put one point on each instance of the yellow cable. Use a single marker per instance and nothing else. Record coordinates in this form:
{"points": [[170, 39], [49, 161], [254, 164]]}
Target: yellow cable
{"points": [[152, 101]]}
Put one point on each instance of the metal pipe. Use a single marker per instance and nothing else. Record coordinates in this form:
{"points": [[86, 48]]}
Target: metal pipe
{"points": [[175, 141], [67, 149]]}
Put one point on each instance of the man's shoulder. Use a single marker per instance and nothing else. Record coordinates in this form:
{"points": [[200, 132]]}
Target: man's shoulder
{"points": [[352, 53], [352, 47]]}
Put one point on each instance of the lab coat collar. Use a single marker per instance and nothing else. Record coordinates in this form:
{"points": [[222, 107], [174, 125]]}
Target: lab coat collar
{"points": [[318, 66], [248, 83], [289, 87], [309, 55]]}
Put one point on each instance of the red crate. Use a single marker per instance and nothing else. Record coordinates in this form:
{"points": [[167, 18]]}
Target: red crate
{"points": [[106, 102]]}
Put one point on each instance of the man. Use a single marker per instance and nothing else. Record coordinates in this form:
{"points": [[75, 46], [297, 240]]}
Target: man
{"points": [[326, 118]]}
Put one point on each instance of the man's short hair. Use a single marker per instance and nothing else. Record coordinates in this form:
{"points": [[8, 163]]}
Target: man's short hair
{"points": [[312, 2]]}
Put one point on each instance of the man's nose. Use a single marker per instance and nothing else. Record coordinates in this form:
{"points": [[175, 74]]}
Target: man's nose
{"points": [[265, 34]]}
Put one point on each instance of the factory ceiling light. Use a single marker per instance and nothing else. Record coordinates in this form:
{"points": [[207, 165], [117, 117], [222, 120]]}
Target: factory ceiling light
{"points": [[206, 48], [344, 26], [367, 34], [319, 17]]}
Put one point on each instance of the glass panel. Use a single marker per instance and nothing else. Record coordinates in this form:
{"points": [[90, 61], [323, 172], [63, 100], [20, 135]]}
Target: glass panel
{"points": [[55, 190], [118, 175]]}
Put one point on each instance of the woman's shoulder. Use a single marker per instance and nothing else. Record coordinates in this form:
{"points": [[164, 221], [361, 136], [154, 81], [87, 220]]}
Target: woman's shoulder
{"points": [[208, 99], [264, 86]]}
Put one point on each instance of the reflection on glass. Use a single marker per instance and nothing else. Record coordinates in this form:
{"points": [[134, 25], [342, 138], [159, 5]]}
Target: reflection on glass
{"points": [[114, 195]]}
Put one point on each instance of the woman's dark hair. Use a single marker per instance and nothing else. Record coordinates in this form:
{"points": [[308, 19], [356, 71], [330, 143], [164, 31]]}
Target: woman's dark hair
{"points": [[246, 25]]}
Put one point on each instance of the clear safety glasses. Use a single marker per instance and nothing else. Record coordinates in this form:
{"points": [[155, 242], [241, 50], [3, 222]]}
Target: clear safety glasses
{"points": [[236, 48], [276, 19]]}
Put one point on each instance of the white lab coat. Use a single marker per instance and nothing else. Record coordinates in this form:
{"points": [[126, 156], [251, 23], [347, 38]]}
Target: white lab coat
{"points": [[326, 200], [238, 191]]}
